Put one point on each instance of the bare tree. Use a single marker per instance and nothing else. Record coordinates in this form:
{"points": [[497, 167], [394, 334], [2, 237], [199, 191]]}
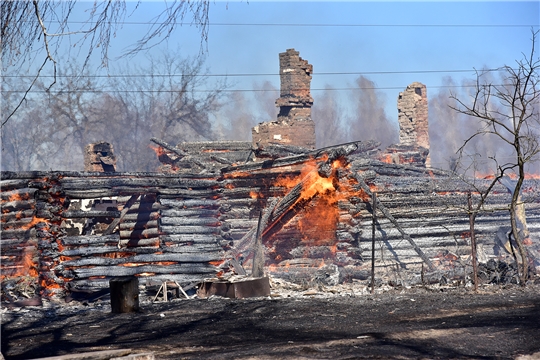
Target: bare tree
{"points": [[509, 112], [32, 32]]}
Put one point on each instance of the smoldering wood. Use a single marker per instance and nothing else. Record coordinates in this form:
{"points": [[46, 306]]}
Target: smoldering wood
{"points": [[171, 230], [16, 224], [18, 215], [189, 203], [139, 234], [389, 216], [139, 225], [169, 147], [186, 268], [123, 213], [215, 146], [20, 234], [77, 214], [90, 194], [18, 194], [90, 239], [182, 221], [191, 238], [144, 258], [165, 213], [187, 193], [278, 150], [135, 183], [12, 206], [97, 284], [13, 184], [133, 216]]}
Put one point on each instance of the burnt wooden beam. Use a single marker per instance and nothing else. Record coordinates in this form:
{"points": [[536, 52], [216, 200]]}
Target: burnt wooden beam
{"points": [[169, 147], [191, 268], [123, 213], [77, 214]]}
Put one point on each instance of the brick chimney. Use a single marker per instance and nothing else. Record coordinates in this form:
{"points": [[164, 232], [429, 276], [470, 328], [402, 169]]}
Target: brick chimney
{"points": [[294, 125], [413, 116], [99, 157]]}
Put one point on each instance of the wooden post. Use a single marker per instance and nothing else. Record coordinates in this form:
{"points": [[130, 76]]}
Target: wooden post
{"points": [[473, 243], [374, 220], [258, 255], [124, 294]]}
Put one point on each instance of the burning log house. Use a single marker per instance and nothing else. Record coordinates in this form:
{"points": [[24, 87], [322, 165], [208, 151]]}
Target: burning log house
{"points": [[65, 233]]}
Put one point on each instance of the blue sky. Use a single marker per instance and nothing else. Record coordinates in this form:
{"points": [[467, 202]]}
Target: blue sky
{"points": [[352, 37]]}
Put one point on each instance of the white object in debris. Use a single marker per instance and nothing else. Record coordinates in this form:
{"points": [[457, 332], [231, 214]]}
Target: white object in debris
{"points": [[277, 137]]}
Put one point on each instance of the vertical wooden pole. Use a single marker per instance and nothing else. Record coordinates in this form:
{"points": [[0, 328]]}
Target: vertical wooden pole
{"points": [[258, 254], [374, 220], [473, 242]]}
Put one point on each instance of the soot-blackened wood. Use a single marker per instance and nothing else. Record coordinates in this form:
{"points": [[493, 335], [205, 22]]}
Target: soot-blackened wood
{"points": [[169, 147], [123, 213], [144, 258], [389, 216], [190, 203], [139, 234], [11, 206], [18, 194], [138, 225], [197, 213], [113, 271], [124, 294], [76, 214], [182, 221], [89, 239], [258, 251], [171, 230], [17, 215]]}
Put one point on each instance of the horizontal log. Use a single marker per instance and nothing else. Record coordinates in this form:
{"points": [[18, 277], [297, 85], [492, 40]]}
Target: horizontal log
{"points": [[189, 213], [195, 249], [138, 242], [113, 271], [18, 194], [11, 206], [191, 238], [13, 184], [151, 259], [90, 194], [187, 221], [171, 193], [215, 146], [90, 239], [171, 230], [138, 225], [18, 215], [128, 182], [96, 284], [190, 203], [141, 216], [113, 249], [17, 224], [20, 234], [139, 234], [76, 214]]}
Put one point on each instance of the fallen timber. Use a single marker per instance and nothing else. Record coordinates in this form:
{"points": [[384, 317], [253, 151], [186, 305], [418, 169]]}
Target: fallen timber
{"points": [[185, 224]]}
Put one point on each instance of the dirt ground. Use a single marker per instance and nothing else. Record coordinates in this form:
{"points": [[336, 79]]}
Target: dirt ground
{"points": [[346, 323]]}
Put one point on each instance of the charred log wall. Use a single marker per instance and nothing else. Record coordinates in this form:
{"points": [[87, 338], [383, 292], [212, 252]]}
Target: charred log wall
{"points": [[69, 231]]}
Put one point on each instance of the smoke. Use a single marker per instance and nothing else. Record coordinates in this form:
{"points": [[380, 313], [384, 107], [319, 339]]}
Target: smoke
{"points": [[361, 118], [369, 120], [329, 119], [449, 130]]}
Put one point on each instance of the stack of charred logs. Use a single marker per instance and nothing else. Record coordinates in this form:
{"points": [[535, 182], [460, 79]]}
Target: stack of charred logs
{"points": [[68, 232]]}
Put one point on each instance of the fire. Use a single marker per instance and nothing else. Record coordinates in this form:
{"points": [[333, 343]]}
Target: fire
{"points": [[32, 223], [18, 197], [157, 149]]}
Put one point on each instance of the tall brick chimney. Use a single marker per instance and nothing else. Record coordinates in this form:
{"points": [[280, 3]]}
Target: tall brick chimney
{"points": [[413, 116], [294, 125]]}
